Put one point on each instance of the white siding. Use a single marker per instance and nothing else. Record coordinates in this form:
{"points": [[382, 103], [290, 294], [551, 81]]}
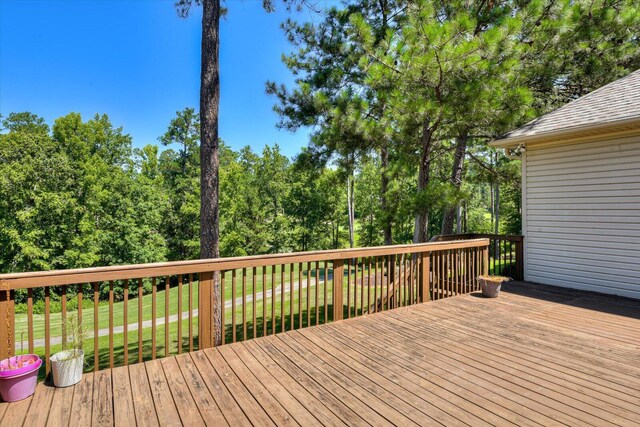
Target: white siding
{"points": [[582, 215]]}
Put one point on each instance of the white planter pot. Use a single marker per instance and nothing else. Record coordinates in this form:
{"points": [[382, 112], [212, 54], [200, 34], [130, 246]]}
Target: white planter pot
{"points": [[67, 370]]}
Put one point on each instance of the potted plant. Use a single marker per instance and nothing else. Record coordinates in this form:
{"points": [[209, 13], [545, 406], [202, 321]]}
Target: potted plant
{"points": [[19, 376], [67, 365], [491, 285]]}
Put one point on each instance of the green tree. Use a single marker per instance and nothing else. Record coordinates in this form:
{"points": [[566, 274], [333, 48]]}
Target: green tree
{"points": [[180, 170]]}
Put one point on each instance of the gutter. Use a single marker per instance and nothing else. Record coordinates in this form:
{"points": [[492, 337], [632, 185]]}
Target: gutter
{"points": [[630, 125]]}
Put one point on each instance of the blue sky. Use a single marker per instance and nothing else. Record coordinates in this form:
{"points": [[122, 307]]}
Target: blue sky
{"points": [[138, 62]]}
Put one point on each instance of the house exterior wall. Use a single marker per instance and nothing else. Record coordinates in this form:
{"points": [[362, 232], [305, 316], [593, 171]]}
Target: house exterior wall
{"points": [[581, 215]]}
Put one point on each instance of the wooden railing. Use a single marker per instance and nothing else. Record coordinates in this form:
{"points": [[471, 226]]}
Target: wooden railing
{"points": [[261, 295], [506, 252]]}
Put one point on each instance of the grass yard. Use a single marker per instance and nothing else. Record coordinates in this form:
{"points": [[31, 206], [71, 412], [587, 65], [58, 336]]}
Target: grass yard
{"points": [[501, 267], [21, 323]]}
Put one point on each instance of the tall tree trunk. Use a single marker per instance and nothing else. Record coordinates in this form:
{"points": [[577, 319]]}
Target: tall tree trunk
{"points": [[384, 185], [209, 161], [465, 217], [456, 180], [492, 202], [497, 208], [421, 225], [351, 206]]}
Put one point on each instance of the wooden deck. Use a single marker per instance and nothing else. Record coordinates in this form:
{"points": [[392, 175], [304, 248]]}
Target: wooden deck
{"points": [[537, 355]]}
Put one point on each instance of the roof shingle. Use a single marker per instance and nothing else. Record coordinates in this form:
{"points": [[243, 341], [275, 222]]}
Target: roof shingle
{"points": [[618, 100]]}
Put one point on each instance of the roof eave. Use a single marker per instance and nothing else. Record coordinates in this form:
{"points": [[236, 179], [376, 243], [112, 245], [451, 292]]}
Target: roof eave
{"points": [[573, 134]]}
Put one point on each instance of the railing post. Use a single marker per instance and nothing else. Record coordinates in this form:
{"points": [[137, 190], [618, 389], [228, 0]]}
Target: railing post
{"points": [[485, 261], [338, 275], [520, 259], [205, 312], [425, 276], [7, 317]]}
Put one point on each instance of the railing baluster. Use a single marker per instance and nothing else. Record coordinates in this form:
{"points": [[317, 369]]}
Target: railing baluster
{"points": [[223, 303], [408, 283], [167, 290], [363, 266], [308, 294], [450, 273], [63, 314], [79, 300], [191, 311], [317, 282], [473, 268], [376, 283], [511, 266], [505, 242], [30, 318], [125, 321], [369, 284], [348, 289], [445, 274], [432, 259], [474, 260], [253, 302], [410, 264], [273, 299], [299, 295], [264, 301], [244, 304], [454, 269], [454, 283], [420, 278], [233, 305], [405, 282], [355, 288], [291, 298], [410, 275], [465, 272], [96, 296], [434, 276], [282, 299], [385, 298], [441, 274], [111, 323], [326, 292], [180, 311], [469, 269], [140, 357], [47, 329], [154, 291]]}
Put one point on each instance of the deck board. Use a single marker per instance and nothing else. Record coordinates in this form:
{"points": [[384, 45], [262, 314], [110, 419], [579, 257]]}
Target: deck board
{"points": [[60, 406], [536, 356], [143, 405]]}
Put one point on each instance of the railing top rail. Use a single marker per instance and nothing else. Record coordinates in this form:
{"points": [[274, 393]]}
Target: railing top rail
{"points": [[135, 271], [508, 237]]}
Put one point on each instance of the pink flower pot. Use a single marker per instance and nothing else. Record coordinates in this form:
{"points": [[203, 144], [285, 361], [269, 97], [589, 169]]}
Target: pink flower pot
{"points": [[19, 383]]}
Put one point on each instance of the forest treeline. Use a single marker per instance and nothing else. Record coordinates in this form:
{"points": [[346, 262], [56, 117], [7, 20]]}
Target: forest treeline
{"points": [[79, 195]]}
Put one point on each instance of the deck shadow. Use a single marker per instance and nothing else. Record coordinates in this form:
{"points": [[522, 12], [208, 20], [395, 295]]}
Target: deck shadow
{"points": [[611, 304]]}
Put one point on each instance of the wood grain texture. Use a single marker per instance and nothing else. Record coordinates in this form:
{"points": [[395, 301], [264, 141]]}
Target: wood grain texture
{"points": [[543, 356]]}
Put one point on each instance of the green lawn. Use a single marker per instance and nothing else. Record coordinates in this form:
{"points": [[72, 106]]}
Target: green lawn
{"points": [[502, 266], [21, 323]]}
